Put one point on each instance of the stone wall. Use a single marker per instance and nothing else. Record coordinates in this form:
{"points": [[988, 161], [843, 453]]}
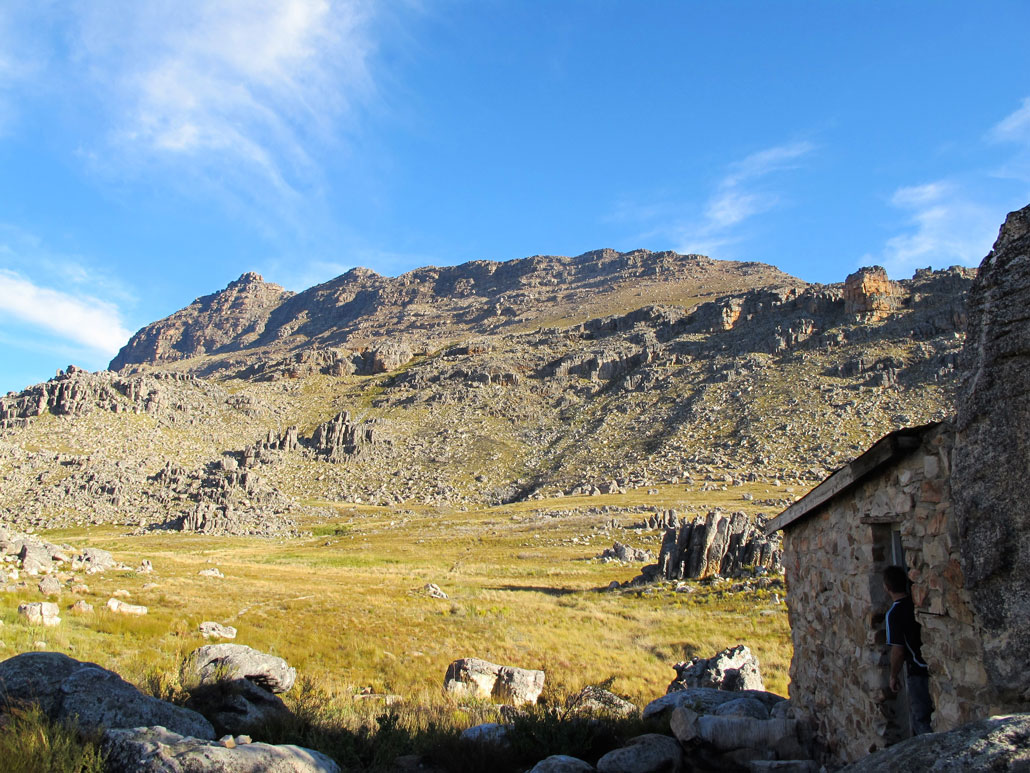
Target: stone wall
{"points": [[833, 559]]}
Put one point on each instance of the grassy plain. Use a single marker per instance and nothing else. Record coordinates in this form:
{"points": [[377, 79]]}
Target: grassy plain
{"points": [[346, 606]]}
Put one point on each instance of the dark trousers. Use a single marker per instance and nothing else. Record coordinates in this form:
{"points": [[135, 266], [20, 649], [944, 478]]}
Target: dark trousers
{"points": [[919, 705]]}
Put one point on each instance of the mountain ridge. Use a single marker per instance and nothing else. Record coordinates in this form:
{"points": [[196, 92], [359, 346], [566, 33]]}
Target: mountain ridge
{"points": [[428, 305]]}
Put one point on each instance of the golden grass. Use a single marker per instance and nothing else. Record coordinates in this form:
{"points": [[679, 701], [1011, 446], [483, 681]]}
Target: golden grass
{"points": [[346, 607]]}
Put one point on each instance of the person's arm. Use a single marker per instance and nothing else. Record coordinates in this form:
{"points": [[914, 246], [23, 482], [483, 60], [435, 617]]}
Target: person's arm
{"points": [[897, 661]]}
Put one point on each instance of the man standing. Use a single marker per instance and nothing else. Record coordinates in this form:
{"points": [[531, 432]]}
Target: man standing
{"points": [[905, 641]]}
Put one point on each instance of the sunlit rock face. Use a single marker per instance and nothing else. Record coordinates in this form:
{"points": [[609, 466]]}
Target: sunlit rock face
{"points": [[869, 294]]}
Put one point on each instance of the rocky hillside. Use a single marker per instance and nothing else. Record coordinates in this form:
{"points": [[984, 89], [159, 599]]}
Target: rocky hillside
{"points": [[481, 384], [251, 321]]}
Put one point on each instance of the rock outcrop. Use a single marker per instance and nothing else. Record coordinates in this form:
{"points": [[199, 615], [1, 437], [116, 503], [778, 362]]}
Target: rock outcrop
{"points": [[482, 679], [869, 294], [715, 546], [735, 668], [992, 456]]}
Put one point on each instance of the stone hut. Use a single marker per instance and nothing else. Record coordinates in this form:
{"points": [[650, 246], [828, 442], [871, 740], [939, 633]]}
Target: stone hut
{"points": [[947, 501]]}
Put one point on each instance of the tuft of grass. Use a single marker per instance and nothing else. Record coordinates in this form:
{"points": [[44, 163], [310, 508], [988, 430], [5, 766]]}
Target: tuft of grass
{"points": [[30, 742]]}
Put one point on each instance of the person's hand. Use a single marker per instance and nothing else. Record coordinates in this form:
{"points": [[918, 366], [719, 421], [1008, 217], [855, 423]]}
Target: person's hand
{"points": [[894, 684]]}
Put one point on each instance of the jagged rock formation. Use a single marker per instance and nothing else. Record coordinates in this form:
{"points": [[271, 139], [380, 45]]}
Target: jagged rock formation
{"points": [[75, 392], [735, 668], [718, 545], [869, 294], [237, 313], [481, 679], [992, 456], [340, 437]]}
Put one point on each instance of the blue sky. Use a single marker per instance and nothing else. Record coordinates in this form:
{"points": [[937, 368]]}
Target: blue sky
{"points": [[152, 152]]}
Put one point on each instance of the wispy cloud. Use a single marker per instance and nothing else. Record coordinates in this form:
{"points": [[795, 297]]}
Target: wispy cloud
{"points": [[1014, 129], [955, 220], [82, 319], [239, 96], [59, 303], [944, 226], [743, 192]]}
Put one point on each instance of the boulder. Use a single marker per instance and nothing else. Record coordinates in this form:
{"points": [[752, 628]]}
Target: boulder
{"points": [[40, 613], [651, 753], [488, 732], [36, 677], [596, 700], [211, 630], [433, 590], [704, 700], [238, 706], [98, 559], [482, 679], [123, 608], [214, 571], [729, 733], [733, 669], [81, 607], [743, 707], [683, 724], [35, 558], [225, 662], [158, 750], [50, 586], [67, 689], [999, 743], [561, 763]]}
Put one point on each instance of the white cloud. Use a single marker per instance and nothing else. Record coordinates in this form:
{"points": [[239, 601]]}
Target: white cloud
{"points": [[243, 97], [1015, 127], [741, 194], [83, 319], [943, 227]]}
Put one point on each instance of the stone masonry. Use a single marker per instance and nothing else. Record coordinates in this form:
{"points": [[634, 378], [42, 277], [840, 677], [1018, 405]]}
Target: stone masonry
{"points": [[833, 560]]}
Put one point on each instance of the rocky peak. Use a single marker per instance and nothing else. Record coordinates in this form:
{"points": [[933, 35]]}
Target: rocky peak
{"points": [[869, 294], [240, 311]]}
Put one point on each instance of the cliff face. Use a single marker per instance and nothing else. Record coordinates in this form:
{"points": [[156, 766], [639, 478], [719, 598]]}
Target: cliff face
{"points": [[431, 305], [237, 314], [993, 455]]}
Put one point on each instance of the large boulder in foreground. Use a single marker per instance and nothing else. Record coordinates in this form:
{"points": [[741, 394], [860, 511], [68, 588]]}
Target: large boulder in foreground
{"points": [[67, 689], [650, 753], [481, 679], [225, 662], [157, 750], [706, 700], [996, 743]]}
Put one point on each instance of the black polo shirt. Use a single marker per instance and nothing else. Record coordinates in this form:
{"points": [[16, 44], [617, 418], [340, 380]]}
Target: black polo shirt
{"points": [[903, 630]]}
